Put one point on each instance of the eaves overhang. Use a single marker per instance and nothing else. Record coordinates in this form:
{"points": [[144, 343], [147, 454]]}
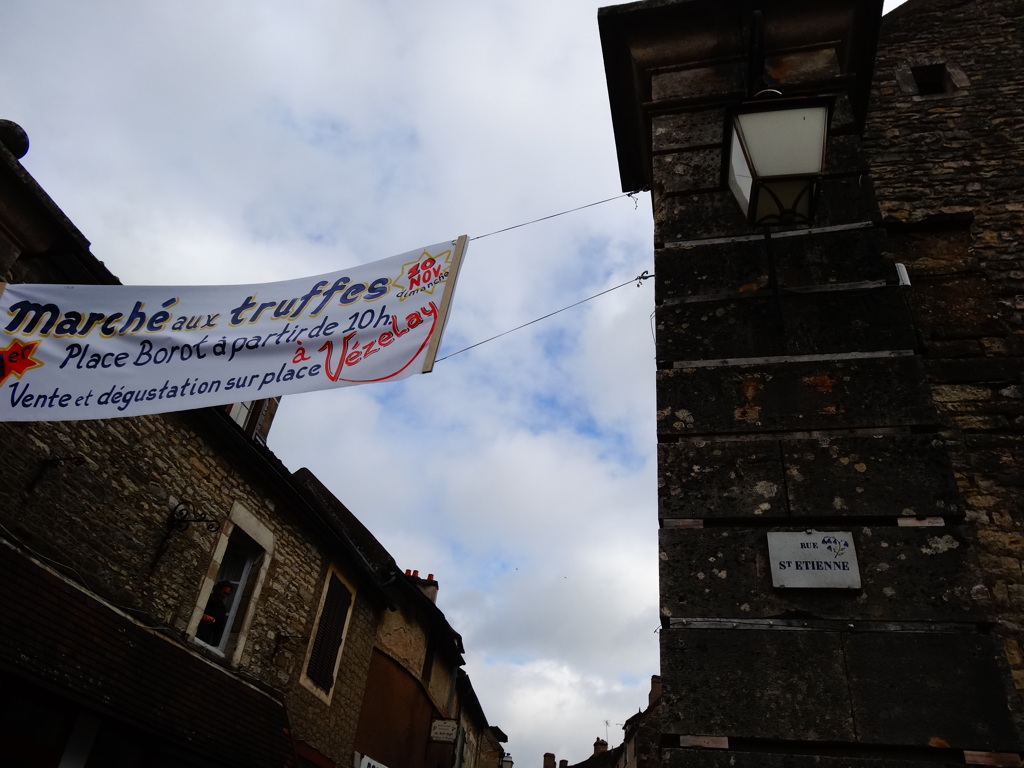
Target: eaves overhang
{"points": [[642, 39]]}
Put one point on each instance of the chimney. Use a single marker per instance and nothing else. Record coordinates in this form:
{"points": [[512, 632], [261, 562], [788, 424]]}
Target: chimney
{"points": [[549, 760], [655, 693], [563, 764], [428, 587], [600, 746]]}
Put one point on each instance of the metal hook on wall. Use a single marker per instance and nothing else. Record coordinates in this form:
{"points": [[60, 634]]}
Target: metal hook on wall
{"points": [[182, 515]]}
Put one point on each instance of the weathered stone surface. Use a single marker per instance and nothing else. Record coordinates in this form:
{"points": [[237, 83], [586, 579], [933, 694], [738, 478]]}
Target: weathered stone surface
{"points": [[843, 155], [688, 130], [907, 574], [805, 260], [704, 480], [801, 67], [927, 689], [897, 475], [688, 171], [713, 214], [946, 168], [715, 683], [105, 520], [717, 330], [690, 217], [722, 268], [902, 690], [792, 396], [889, 476], [763, 325], [737, 758], [741, 267], [941, 252], [954, 308], [846, 200], [697, 81]]}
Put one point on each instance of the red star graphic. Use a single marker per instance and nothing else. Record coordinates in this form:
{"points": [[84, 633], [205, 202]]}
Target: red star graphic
{"points": [[17, 358]]}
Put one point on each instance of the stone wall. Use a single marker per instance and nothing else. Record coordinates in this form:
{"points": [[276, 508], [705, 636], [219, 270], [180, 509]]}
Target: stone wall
{"points": [[947, 170], [101, 518]]}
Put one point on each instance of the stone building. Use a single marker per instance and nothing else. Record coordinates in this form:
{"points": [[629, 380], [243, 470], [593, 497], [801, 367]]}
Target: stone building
{"points": [[419, 708], [945, 142], [811, 401], [170, 593]]}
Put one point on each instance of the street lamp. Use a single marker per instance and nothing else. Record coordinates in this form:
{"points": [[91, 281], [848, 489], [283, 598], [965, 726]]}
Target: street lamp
{"points": [[505, 761], [777, 156]]}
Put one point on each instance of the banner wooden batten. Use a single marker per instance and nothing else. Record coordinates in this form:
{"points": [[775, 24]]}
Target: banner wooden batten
{"points": [[446, 302]]}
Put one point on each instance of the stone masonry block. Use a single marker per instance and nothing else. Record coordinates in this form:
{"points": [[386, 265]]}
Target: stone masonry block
{"points": [[888, 476], [848, 200], [914, 689], [954, 308], [741, 267], [756, 684], [720, 268], [759, 325], [934, 252], [793, 396], [717, 330], [843, 155], [688, 171], [893, 475], [929, 689], [712, 480], [691, 217], [733, 758], [688, 130], [811, 259]]}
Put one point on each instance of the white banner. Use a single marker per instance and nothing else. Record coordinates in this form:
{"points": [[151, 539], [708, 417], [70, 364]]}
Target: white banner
{"points": [[97, 351]]}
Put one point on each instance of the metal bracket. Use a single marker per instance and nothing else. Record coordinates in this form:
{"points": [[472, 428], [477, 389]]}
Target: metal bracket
{"points": [[183, 515]]}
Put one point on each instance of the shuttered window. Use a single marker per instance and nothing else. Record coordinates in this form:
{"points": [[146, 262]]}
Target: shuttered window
{"points": [[330, 631]]}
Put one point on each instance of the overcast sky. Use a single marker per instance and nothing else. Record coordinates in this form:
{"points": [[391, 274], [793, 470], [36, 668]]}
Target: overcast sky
{"points": [[246, 141]]}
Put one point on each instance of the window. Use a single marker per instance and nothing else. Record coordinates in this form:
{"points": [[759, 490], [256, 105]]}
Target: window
{"points": [[254, 417], [239, 412], [324, 654], [931, 79], [233, 588], [226, 602]]}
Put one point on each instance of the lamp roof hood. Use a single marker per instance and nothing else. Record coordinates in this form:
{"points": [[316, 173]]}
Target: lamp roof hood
{"points": [[640, 39]]}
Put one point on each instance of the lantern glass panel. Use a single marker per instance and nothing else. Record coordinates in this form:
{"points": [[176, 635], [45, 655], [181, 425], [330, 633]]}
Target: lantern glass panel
{"points": [[784, 142], [740, 177], [784, 201]]}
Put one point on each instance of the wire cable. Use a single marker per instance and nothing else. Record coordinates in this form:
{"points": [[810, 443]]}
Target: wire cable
{"points": [[553, 215], [639, 279]]}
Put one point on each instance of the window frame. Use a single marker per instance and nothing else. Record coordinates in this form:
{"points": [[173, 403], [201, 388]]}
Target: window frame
{"points": [[247, 596], [954, 80], [304, 679]]}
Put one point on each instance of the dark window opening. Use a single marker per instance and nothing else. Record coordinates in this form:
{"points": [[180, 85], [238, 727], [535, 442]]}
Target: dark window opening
{"points": [[224, 613], [931, 79], [330, 631], [428, 661]]}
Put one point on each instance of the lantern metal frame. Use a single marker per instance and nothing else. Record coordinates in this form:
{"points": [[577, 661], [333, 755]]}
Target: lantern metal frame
{"points": [[768, 194]]}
